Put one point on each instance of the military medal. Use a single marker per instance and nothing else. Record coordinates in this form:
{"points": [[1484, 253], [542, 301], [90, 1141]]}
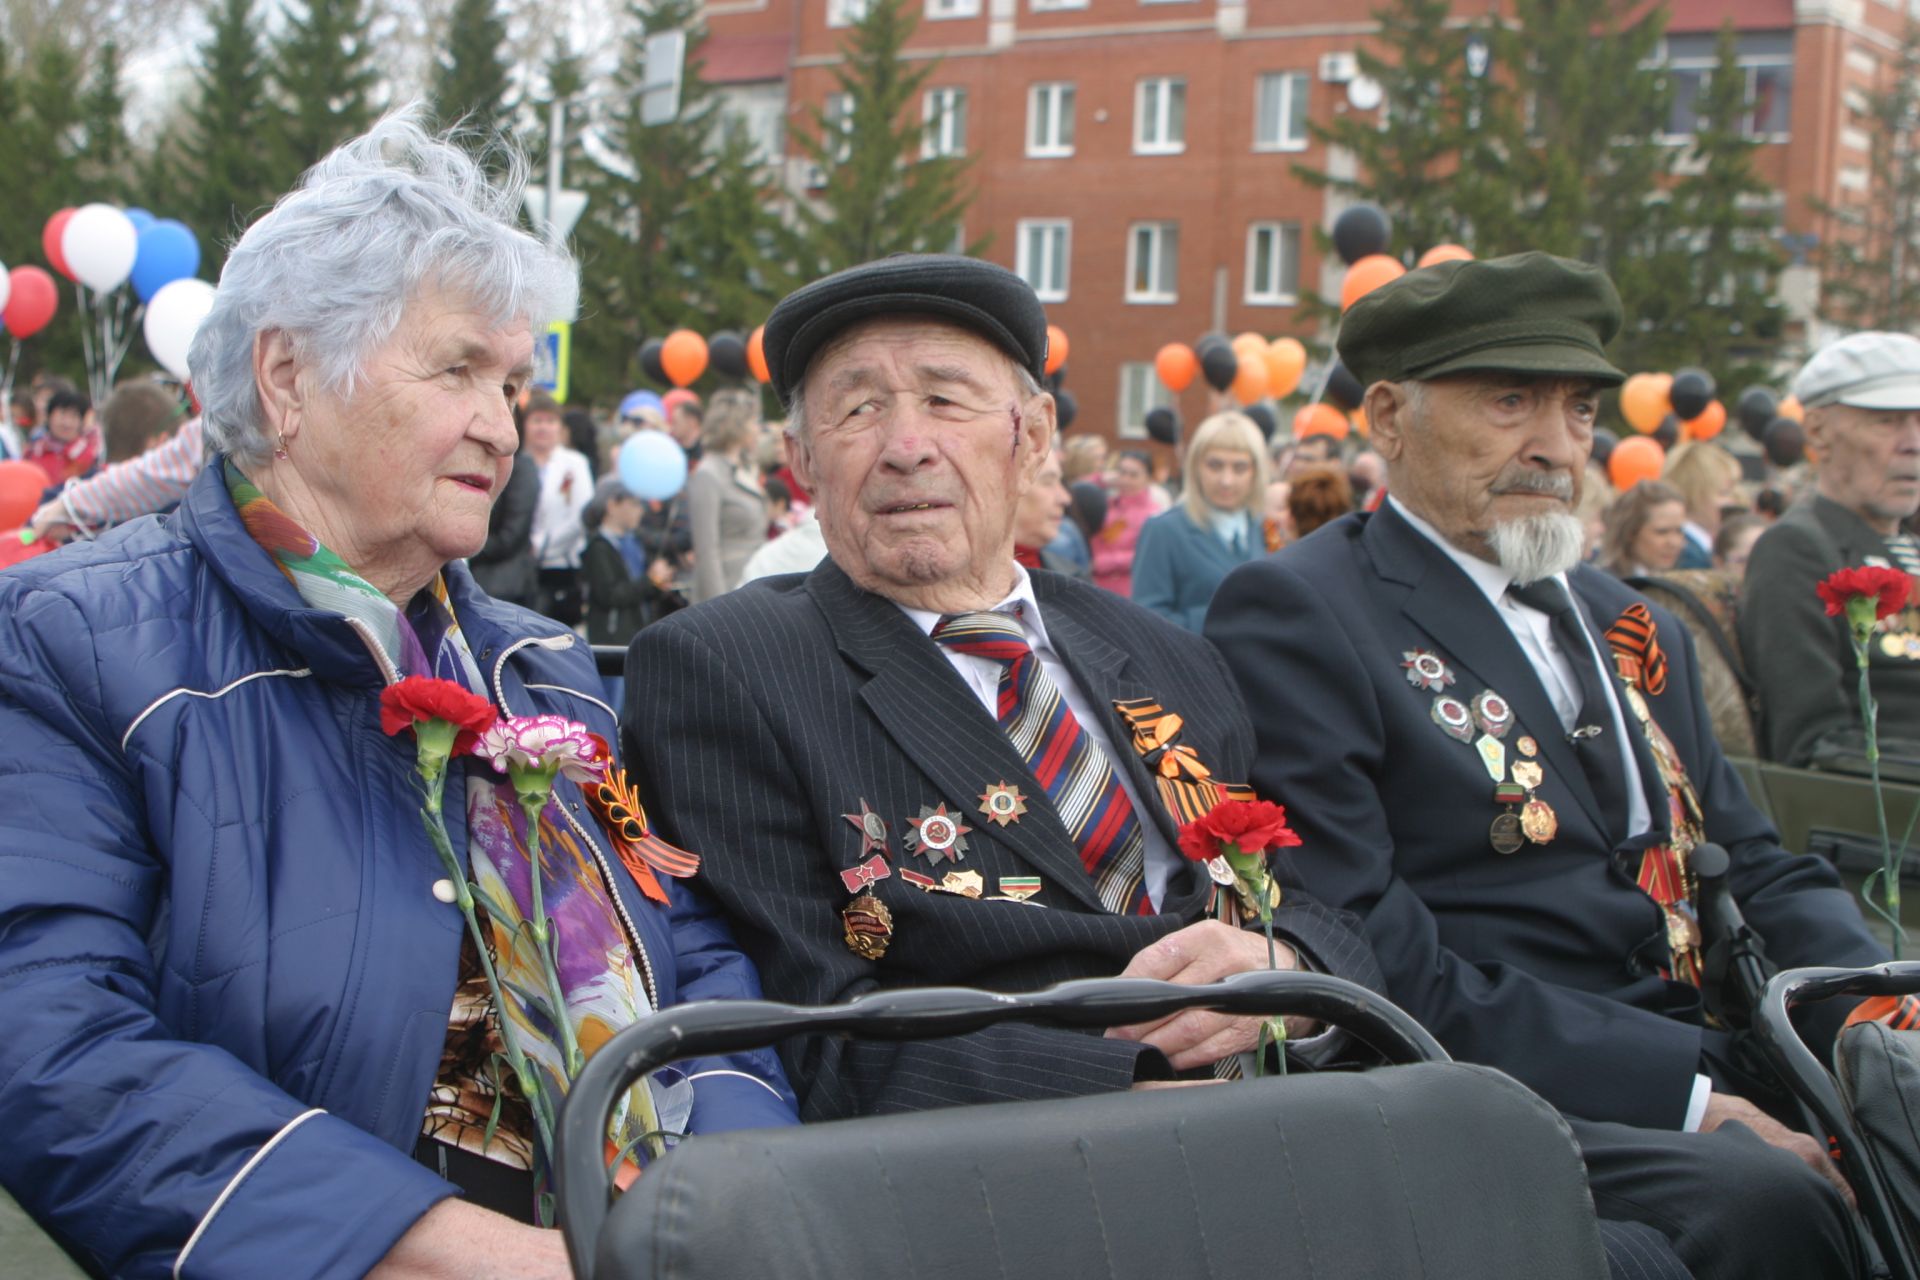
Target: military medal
{"points": [[872, 828], [1528, 773], [1019, 888], [1527, 747], [1505, 834], [1454, 719], [868, 926], [866, 874], [1002, 803], [1493, 754], [937, 834], [1220, 873], [1425, 670], [1538, 822], [917, 879], [967, 884], [1492, 714]]}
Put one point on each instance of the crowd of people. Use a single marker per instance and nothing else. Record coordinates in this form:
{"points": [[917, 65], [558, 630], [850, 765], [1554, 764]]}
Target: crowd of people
{"points": [[917, 692]]}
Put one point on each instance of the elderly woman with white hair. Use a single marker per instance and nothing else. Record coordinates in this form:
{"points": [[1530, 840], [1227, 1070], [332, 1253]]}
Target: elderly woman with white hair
{"points": [[255, 1009]]}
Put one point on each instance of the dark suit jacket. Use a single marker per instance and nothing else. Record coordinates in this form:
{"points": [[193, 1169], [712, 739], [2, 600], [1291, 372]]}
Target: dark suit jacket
{"points": [[1541, 963], [1802, 661], [767, 714]]}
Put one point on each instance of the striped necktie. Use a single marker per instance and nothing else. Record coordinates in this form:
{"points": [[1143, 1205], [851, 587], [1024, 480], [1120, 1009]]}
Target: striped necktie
{"points": [[1066, 762]]}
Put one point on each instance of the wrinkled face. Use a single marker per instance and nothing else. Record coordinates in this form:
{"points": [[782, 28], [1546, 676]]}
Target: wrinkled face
{"points": [[1481, 450], [1658, 544], [1869, 460], [544, 431], [918, 446], [1037, 522], [64, 424], [405, 470], [1131, 476], [1226, 478]]}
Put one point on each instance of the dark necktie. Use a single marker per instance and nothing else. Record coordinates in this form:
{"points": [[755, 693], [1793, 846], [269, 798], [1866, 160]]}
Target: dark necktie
{"points": [[1593, 745]]}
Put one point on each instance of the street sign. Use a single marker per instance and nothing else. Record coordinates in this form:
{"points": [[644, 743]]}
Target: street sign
{"points": [[569, 208], [555, 360], [660, 90]]}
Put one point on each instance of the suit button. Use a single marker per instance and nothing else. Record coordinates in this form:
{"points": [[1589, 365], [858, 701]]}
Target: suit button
{"points": [[443, 890]]}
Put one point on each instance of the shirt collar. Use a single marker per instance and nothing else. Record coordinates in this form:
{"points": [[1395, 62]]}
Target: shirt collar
{"points": [[1492, 580], [1020, 602]]}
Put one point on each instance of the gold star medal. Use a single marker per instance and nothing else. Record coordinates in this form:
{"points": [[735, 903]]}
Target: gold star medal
{"points": [[937, 834], [1002, 803]]}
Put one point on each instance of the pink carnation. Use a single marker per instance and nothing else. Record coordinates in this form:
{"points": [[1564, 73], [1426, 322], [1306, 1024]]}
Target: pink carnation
{"points": [[548, 744]]}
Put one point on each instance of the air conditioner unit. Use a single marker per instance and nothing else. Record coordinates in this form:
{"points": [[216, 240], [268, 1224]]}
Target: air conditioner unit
{"points": [[1338, 68]]}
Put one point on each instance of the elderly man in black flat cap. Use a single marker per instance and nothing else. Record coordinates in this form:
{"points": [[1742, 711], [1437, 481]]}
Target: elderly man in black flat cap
{"points": [[1502, 762], [894, 762]]}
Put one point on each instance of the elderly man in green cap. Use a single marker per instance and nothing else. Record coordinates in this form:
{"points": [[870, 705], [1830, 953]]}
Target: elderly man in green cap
{"points": [[1500, 760]]}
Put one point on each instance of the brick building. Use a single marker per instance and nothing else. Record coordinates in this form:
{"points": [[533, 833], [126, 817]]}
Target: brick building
{"points": [[1134, 158]]}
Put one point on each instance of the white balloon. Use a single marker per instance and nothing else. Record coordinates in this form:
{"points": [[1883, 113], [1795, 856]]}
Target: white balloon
{"points": [[6, 285], [173, 317], [100, 245]]}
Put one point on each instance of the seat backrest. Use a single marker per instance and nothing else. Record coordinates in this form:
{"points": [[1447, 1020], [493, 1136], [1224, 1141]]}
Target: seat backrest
{"points": [[1704, 600], [1433, 1169]]}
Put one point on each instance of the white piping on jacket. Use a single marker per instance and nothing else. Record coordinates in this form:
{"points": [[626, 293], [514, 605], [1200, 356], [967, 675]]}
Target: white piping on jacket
{"points": [[234, 1182], [291, 672], [744, 1075]]}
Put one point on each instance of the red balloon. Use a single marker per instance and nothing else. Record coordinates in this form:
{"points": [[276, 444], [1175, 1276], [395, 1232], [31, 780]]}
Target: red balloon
{"points": [[50, 241], [21, 484], [31, 303]]}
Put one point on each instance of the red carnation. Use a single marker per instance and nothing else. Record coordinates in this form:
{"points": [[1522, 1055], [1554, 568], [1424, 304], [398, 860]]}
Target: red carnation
{"points": [[419, 699], [1890, 586], [1250, 826]]}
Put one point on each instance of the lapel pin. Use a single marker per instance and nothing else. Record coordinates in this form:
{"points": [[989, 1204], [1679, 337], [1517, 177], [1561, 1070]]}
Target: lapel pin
{"points": [[866, 874], [872, 828], [1528, 773], [917, 879], [1527, 747], [937, 834], [1002, 803], [1425, 670], [1493, 754], [868, 926], [1452, 716], [967, 884], [1019, 888]]}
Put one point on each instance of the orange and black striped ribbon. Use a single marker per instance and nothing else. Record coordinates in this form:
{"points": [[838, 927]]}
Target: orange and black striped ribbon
{"points": [[1187, 787], [616, 803], [1632, 637]]}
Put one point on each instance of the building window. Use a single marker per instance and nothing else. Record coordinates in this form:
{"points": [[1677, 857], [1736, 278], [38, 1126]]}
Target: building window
{"points": [[938, 9], [1153, 262], [1041, 257], [1051, 6], [1273, 263], [844, 13], [836, 135], [943, 116], [1160, 116], [1765, 61], [1280, 112], [1050, 120], [1141, 392]]}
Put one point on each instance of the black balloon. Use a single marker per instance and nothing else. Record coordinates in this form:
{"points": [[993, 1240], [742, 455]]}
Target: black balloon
{"points": [[1343, 389], [1212, 339], [1065, 408], [1164, 425], [1263, 418], [650, 361], [1756, 409], [1361, 230], [1785, 442], [1603, 442], [727, 353], [1219, 365], [1057, 377], [1691, 394], [1668, 432], [1089, 507]]}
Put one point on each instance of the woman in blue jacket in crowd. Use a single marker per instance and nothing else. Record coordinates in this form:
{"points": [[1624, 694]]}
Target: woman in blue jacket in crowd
{"points": [[248, 1032], [1184, 552]]}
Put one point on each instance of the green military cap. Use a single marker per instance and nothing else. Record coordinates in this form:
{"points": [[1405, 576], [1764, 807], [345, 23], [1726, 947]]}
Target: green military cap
{"points": [[1531, 313]]}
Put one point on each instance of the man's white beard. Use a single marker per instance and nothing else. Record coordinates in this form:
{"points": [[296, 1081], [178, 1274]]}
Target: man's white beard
{"points": [[1535, 547]]}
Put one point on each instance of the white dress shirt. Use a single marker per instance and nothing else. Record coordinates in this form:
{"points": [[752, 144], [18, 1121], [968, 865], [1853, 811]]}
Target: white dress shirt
{"points": [[983, 677], [1533, 631]]}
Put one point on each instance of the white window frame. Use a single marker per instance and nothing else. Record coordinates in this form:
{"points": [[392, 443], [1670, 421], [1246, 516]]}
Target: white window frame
{"points": [[1157, 233], [844, 13], [1162, 114], [1035, 274], [1044, 107], [942, 10], [1055, 6], [1747, 66], [940, 135], [1286, 125], [1255, 293], [1131, 415]]}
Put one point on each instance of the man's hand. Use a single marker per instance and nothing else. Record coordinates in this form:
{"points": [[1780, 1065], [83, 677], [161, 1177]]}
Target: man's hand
{"points": [[1722, 1107], [458, 1241], [1194, 956], [52, 523]]}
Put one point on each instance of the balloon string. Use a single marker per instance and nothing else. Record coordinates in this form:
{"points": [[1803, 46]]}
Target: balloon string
{"points": [[86, 334], [126, 336]]}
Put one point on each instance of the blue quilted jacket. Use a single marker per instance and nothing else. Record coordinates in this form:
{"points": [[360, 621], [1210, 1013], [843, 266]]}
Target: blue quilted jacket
{"points": [[224, 974]]}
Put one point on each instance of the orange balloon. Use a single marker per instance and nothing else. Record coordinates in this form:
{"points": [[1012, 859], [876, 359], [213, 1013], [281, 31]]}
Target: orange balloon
{"points": [[1445, 253], [1177, 366], [1360, 423], [757, 355], [1791, 408], [1643, 401], [1635, 459], [1320, 420], [1249, 341], [1250, 384], [1712, 420], [1366, 275], [1056, 348], [684, 356], [1286, 361]]}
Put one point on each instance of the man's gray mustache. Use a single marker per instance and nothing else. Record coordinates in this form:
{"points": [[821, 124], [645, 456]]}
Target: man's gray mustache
{"points": [[1554, 485]]}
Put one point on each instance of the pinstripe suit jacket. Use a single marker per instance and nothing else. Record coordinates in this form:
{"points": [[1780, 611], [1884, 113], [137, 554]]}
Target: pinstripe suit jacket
{"points": [[768, 714]]}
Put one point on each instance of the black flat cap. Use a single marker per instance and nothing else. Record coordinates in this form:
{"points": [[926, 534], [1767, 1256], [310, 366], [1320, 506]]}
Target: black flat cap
{"points": [[990, 300], [1531, 313]]}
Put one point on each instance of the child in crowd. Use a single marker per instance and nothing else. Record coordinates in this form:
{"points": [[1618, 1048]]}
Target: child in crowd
{"points": [[68, 446]]}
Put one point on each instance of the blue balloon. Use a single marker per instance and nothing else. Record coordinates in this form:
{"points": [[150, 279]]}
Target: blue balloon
{"points": [[140, 219], [653, 466], [635, 401], [167, 252]]}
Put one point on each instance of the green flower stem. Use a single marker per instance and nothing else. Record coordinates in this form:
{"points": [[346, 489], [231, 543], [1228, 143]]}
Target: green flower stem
{"points": [[1255, 880], [1860, 614], [534, 788]]}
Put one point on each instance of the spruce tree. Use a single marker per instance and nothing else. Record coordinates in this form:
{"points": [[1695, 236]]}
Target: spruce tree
{"points": [[470, 81], [1870, 244], [224, 180], [878, 196], [104, 156], [323, 75]]}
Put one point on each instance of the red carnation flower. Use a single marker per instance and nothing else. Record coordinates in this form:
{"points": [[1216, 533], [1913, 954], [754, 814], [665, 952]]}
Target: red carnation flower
{"points": [[1251, 826], [418, 699], [1889, 587]]}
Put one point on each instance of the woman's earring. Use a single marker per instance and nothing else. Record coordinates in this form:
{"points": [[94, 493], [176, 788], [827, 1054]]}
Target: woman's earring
{"points": [[280, 445]]}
